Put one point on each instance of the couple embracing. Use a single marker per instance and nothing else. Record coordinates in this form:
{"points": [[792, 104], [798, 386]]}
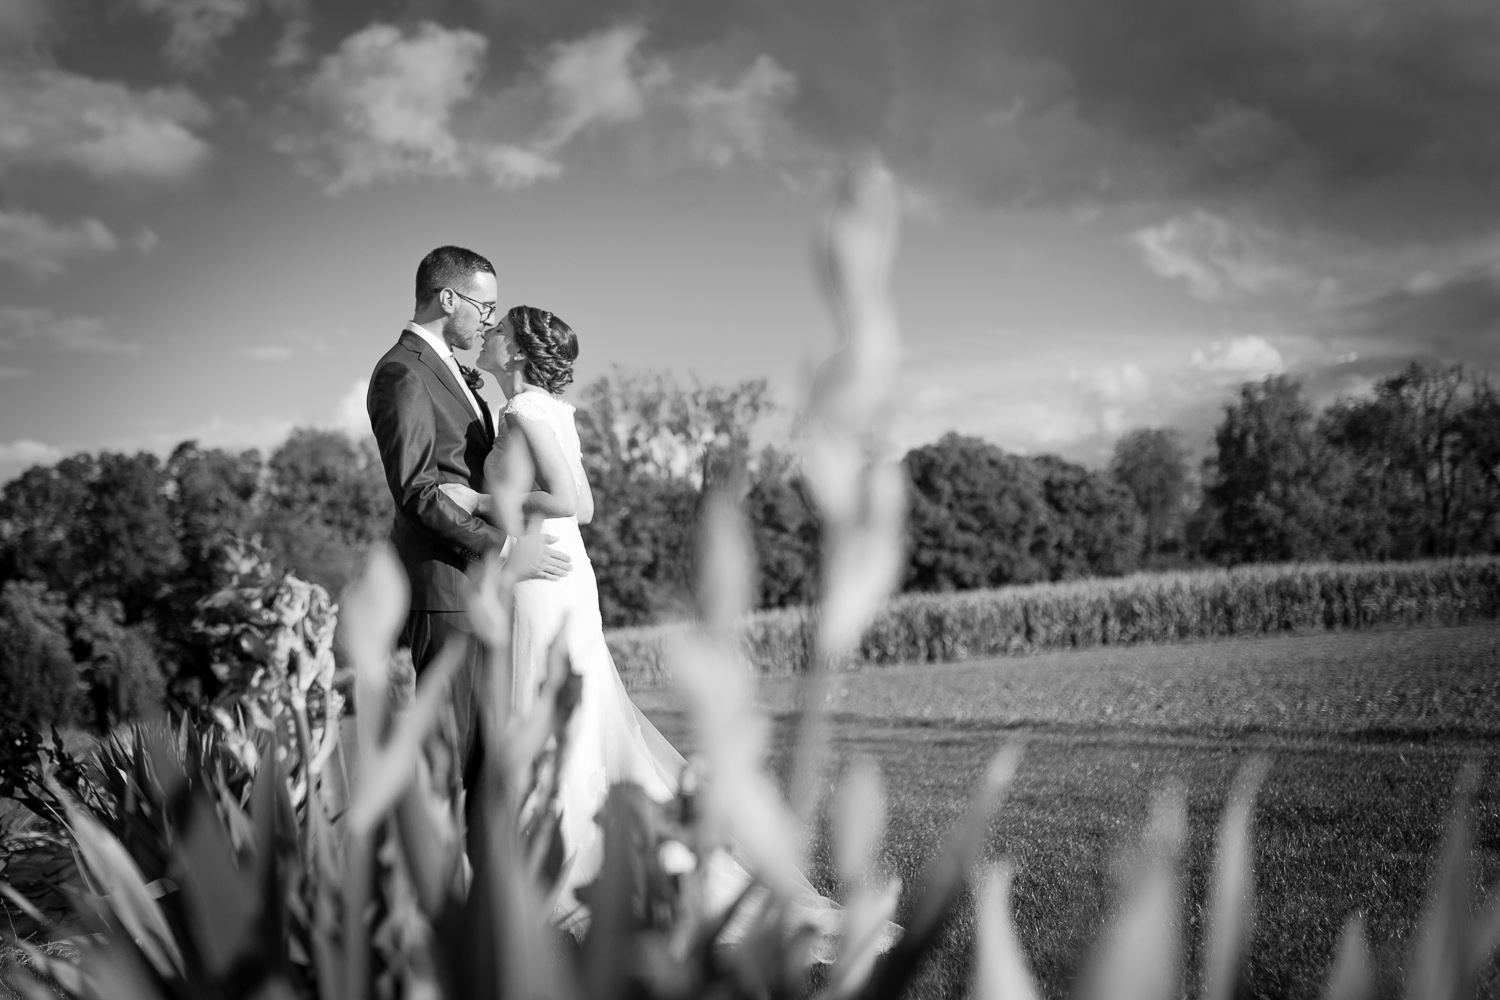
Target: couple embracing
{"points": [[435, 435]]}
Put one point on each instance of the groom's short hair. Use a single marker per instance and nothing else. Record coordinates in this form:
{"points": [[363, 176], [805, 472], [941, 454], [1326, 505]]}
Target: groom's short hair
{"points": [[446, 267]]}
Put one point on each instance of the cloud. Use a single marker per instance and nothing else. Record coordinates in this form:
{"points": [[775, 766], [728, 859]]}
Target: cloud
{"points": [[39, 325], [1357, 116], [350, 416], [267, 352], [1241, 359], [1110, 394], [1363, 90], [515, 166], [25, 24], [391, 104], [106, 129], [1449, 317], [394, 96], [198, 28], [41, 248], [1032, 400], [382, 108], [18, 456], [1365, 117], [600, 79], [729, 122], [293, 47], [1217, 259]]}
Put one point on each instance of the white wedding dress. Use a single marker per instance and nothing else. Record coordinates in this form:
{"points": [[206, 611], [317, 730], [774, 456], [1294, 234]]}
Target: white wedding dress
{"points": [[610, 740]]}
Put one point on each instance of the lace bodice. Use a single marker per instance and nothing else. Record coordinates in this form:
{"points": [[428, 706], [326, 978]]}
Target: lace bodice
{"points": [[557, 415]]}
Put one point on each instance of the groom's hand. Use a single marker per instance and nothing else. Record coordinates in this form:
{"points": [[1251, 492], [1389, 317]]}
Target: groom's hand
{"points": [[550, 564]]}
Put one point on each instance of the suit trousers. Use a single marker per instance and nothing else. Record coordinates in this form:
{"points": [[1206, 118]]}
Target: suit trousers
{"points": [[426, 633]]}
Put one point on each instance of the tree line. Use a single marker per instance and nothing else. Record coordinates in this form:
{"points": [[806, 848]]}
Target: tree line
{"points": [[104, 557]]}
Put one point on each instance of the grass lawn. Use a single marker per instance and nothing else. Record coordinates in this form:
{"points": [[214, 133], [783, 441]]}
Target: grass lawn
{"points": [[1366, 732]]}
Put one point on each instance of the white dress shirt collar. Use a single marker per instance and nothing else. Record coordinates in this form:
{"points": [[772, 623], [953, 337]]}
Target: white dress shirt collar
{"points": [[446, 353], [438, 343]]}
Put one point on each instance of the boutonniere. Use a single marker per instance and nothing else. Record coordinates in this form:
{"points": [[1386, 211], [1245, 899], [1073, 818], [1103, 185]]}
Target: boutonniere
{"points": [[473, 376]]}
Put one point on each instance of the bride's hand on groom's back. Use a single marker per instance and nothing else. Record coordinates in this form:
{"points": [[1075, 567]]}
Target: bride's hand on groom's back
{"points": [[552, 563], [533, 557]]}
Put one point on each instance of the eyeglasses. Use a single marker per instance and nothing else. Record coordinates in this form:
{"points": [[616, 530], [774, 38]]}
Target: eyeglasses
{"points": [[486, 309]]}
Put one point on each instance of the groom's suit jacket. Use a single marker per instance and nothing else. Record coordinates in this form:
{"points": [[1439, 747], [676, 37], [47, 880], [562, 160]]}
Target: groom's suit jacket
{"points": [[428, 435]]}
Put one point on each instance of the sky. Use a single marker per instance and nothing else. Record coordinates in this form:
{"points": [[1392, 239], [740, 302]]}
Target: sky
{"points": [[1114, 213]]}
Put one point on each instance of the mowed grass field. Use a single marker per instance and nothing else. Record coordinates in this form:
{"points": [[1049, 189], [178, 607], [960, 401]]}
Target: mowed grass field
{"points": [[1365, 731]]}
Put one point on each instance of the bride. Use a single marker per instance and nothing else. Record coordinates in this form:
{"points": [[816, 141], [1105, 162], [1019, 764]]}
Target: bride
{"points": [[531, 353]]}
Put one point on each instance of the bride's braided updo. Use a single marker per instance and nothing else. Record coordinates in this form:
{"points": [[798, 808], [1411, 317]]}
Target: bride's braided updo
{"points": [[549, 345]]}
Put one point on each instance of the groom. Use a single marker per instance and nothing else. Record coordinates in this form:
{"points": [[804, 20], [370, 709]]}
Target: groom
{"points": [[432, 428]]}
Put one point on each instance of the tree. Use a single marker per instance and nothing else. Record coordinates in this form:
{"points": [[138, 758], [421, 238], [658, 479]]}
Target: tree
{"points": [[978, 518], [42, 515], [1152, 465], [1098, 530], [656, 426], [1418, 451], [1273, 484], [38, 676], [1480, 428], [650, 444], [326, 502], [135, 547], [94, 528], [213, 498], [641, 546], [119, 665], [786, 530]]}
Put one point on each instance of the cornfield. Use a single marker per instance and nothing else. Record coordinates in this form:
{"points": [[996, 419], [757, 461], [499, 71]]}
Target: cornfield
{"points": [[1143, 608]]}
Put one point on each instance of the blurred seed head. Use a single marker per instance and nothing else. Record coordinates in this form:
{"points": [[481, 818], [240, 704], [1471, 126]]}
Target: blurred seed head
{"points": [[1001, 971], [1231, 902], [1141, 955], [859, 822], [863, 561], [859, 248], [374, 609], [509, 488], [726, 564], [374, 612], [1351, 977], [736, 794]]}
